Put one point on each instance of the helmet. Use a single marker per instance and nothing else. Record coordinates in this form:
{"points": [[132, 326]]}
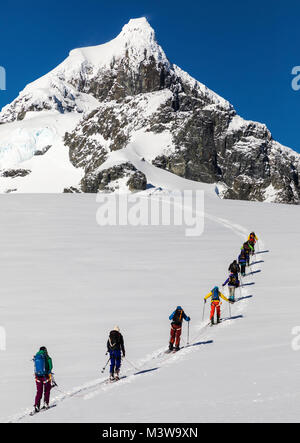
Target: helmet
{"points": [[44, 349], [179, 308], [116, 328]]}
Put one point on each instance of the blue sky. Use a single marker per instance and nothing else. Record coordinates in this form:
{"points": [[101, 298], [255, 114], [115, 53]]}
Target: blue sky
{"points": [[245, 51]]}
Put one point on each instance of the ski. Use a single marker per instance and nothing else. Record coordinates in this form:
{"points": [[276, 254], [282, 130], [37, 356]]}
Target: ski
{"points": [[41, 410], [168, 351], [216, 324], [115, 380]]}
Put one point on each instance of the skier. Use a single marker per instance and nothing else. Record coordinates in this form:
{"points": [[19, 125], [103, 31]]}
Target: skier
{"points": [[215, 295], [243, 261], [115, 345], [233, 283], [177, 318], [248, 250], [43, 377], [234, 268], [252, 239]]}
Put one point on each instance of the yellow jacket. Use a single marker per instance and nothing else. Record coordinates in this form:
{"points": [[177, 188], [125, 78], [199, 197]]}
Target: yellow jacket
{"points": [[220, 294], [250, 238]]}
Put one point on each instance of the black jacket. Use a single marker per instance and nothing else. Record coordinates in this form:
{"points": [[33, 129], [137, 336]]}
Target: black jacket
{"points": [[116, 342], [234, 268]]}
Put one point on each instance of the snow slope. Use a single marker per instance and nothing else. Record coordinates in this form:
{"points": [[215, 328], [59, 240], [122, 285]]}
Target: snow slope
{"points": [[66, 282], [19, 142]]}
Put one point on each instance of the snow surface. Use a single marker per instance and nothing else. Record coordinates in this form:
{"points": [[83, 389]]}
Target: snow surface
{"points": [[66, 282], [51, 172]]}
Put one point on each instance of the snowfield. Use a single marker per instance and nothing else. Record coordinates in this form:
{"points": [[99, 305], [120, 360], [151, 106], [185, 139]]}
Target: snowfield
{"points": [[66, 282], [50, 172]]}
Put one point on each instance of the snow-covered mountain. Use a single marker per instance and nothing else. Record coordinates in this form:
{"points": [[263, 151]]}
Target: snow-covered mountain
{"points": [[125, 101]]}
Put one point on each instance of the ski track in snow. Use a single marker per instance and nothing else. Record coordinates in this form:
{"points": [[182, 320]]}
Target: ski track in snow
{"points": [[144, 366]]}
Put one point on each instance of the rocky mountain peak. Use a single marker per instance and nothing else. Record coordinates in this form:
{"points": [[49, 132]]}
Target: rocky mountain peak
{"points": [[140, 27], [136, 105]]}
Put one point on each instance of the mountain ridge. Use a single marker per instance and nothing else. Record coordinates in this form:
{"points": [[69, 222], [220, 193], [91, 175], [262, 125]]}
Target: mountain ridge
{"points": [[128, 86]]}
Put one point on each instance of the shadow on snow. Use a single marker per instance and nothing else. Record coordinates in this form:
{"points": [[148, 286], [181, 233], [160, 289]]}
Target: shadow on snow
{"points": [[145, 371], [244, 298]]}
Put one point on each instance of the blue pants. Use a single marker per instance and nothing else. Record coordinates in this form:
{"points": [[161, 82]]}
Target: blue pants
{"points": [[115, 361]]}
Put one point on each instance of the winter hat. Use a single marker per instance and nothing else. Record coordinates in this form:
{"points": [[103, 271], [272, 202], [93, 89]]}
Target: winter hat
{"points": [[116, 328]]}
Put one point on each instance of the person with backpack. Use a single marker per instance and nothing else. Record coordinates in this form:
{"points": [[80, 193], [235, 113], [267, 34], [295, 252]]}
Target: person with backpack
{"points": [[43, 377], [115, 345], [177, 318], [248, 250], [243, 262], [252, 239], [215, 295], [233, 283], [235, 268]]}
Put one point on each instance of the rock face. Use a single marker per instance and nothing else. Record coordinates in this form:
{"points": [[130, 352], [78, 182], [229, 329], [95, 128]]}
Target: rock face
{"points": [[43, 151], [144, 106], [13, 173], [111, 179]]}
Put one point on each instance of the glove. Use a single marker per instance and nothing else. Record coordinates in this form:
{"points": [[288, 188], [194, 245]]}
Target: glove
{"points": [[205, 300], [189, 319]]}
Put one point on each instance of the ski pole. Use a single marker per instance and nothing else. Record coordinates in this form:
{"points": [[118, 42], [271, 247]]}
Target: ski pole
{"points": [[203, 312], [136, 369], [188, 337], [229, 310], [103, 370]]}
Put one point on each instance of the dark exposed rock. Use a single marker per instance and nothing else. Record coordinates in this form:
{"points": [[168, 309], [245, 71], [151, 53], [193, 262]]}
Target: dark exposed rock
{"points": [[137, 182], [71, 190], [95, 182], [43, 151], [13, 173]]}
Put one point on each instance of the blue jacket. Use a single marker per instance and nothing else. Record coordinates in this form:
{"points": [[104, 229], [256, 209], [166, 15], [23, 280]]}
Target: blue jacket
{"points": [[242, 260], [184, 316], [237, 284]]}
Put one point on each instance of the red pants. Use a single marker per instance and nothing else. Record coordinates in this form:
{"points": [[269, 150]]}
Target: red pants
{"points": [[175, 334], [43, 384], [215, 306]]}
